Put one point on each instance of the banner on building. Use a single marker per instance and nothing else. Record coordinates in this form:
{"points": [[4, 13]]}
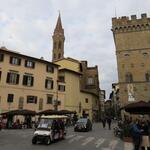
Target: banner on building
{"points": [[130, 91]]}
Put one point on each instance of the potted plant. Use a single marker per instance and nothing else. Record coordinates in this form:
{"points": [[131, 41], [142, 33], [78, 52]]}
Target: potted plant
{"points": [[127, 133]]}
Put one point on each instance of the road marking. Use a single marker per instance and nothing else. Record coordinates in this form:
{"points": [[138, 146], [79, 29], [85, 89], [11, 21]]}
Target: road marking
{"points": [[99, 142], [70, 136], [113, 144], [128, 146], [77, 138], [87, 140]]}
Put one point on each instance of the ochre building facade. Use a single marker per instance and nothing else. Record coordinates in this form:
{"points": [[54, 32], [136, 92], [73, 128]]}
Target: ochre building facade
{"points": [[132, 41]]}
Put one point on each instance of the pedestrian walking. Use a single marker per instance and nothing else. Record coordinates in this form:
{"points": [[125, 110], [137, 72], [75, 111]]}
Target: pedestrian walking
{"points": [[109, 122], [104, 122]]}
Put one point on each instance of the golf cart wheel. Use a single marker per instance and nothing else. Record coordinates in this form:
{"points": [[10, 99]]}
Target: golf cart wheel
{"points": [[47, 141], [34, 140]]}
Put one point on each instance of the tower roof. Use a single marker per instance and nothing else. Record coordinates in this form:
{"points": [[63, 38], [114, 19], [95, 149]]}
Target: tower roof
{"points": [[58, 28]]}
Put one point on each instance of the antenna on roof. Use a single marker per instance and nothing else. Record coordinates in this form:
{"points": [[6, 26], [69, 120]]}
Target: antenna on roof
{"points": [[59, 11], [115, 9]]}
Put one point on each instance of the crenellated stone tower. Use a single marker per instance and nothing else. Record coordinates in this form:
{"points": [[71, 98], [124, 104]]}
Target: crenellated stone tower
{"points": [[58, 41], [132, 41]]}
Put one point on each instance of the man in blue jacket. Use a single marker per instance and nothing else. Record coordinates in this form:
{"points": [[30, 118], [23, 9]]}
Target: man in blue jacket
{"points": [[136, 134]]}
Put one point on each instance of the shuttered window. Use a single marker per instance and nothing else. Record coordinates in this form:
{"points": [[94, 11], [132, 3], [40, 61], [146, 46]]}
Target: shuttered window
{"points": [[28, 80], [49, 99], [61, 88], [15, 60], [32, 99], [1, 57], [12, 78], [29, 64], [49, 83], [50, 68]]}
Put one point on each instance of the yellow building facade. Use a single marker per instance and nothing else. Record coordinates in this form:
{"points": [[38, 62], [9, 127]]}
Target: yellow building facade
{"points": [[76, 99], [26, 82]]}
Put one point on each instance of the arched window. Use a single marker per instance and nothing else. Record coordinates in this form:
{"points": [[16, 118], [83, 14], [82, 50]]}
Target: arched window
{"points": [[128, 77], [59, 55], [59, 45], [147, 76]]}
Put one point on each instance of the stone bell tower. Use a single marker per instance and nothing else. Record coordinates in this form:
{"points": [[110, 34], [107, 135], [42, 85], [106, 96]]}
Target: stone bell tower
{"points": [[58, 41]]}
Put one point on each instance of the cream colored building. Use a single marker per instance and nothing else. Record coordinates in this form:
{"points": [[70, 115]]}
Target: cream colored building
{"points": [[132, 41], [27, 82], [77, 99]]}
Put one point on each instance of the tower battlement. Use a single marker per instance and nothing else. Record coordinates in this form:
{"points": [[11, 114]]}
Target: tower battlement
{"points": [[126, 24]]}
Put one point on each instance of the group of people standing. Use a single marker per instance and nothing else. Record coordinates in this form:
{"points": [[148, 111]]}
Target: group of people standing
{"points": [[140, 134]]}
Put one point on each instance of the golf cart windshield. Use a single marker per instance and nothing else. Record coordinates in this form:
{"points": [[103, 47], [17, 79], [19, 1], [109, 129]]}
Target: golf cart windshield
{"points": [[45, 123], [82, 121]]}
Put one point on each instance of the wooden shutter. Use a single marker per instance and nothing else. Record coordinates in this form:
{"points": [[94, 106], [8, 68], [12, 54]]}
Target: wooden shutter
{"points": [[10, 59], [64, 88], [52, 69], [33, 64], [28, 97], [19, 61], [32, 81], [0, 75], [35, 99], [52, 83], [24, 80], [8, 77], [46, 81], [25, 63], [1, 57], [17, 81]]}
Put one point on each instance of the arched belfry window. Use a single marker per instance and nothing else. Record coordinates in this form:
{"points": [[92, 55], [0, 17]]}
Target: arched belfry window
{"points": [[147, 76], [128, 77], [59, 45]]}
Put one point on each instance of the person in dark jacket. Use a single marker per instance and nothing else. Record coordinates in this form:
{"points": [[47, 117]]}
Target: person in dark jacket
{"points": [[136, 135], [104, 122], [109, 122], [145, 144]]}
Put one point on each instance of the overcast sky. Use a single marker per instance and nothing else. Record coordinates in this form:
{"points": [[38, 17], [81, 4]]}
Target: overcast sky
{"points": [[27, 26]]}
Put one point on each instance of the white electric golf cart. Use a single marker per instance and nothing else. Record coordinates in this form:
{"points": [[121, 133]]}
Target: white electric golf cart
{"points": [[50, 128]]}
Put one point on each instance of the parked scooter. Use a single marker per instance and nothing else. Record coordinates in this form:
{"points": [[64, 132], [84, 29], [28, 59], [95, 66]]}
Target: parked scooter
{"points": [[118, 132]]}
